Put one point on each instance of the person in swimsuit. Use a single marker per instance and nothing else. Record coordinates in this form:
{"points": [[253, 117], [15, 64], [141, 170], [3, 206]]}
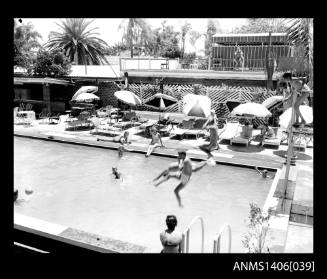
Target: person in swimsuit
{"points": [[212, 125], [171, 239], [156, 138], [182, 170]]}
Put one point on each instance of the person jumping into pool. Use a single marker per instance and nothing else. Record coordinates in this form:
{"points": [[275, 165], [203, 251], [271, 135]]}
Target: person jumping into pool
{"points": [[212, 125], [156, 138], [182, 170]]}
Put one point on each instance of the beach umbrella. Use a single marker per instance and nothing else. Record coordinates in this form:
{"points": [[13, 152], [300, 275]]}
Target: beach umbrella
{"points": [[160, 101], [128, 97], [251, 110], [85, 89], [271, 101], [231, 104], [85, 97], [196, 105], [285, 117]]}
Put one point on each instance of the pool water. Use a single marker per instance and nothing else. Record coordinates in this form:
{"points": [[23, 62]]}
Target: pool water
{"points": [[73, 186]]}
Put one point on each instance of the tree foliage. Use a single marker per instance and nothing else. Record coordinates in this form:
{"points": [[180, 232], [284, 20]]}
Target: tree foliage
{"points": [[213, 27], [254, 239], [25, 44], [166, 40], [262, 25], [51, 63], [79, 43], [185, 28], [300, 35], [137, 33]]}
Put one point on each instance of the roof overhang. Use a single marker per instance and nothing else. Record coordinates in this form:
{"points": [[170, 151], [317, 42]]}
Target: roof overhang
{"points": [[30, 80]]}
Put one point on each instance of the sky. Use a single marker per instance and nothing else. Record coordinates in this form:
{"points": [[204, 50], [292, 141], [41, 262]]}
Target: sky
{"points": [[108, 27]]}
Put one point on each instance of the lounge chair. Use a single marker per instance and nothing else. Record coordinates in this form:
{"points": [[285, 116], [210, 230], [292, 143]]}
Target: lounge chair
{"points": [[81, 121], [229, 131], [183, 128], [300, 142], [197, 129], [275, 140]]}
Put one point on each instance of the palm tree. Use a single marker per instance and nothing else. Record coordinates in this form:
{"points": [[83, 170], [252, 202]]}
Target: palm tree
{"points": [[79, 44], [186, 27], [136, 29], [300, 34], [25, 42]]}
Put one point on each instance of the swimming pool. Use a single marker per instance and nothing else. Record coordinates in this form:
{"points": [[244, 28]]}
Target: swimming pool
{"points": [[73, 186]]}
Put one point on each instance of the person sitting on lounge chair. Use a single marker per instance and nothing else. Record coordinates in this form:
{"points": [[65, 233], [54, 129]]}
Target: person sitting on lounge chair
{"points": [[266, 133]]}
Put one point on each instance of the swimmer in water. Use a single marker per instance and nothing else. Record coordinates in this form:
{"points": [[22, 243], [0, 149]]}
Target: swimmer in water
{"points": [[263, 173], [116, 173], [182, 170]]}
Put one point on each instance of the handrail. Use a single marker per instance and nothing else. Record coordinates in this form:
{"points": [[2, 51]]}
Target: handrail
{"points": [[186, 235], [216, 242]]}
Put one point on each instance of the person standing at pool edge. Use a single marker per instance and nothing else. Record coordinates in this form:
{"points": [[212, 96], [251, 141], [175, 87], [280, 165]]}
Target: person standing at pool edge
{"points": [[212, 125], [182, 170], [171, 239]]}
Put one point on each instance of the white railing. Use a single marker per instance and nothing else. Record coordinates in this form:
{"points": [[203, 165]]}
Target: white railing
{"points": [[217, 239], [186, 235]]}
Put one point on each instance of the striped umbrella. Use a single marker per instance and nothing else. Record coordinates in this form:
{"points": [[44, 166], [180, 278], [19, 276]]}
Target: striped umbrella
{"points": [[160, 101], [128, 97], [196, 105]]}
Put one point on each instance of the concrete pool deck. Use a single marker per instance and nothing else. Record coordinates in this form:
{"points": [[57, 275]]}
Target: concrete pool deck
{"points": [[302, 202]]}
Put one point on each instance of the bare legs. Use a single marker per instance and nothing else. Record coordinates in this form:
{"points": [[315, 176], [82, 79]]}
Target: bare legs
{"points": [[151, 148], [297, 104]]}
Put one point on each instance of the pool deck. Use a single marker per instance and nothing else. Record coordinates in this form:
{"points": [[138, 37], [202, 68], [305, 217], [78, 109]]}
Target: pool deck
{"points": [[290, 229]]}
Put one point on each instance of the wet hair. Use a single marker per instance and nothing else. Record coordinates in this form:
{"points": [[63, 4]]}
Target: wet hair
{"points": [[171, 221], [181, 151]]}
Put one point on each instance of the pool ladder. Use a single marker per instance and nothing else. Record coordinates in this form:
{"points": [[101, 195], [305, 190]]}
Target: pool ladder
{"points": [[217, 239]]}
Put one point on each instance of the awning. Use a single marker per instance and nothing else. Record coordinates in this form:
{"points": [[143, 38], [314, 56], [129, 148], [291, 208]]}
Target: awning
{"points": [[25, 80]]}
